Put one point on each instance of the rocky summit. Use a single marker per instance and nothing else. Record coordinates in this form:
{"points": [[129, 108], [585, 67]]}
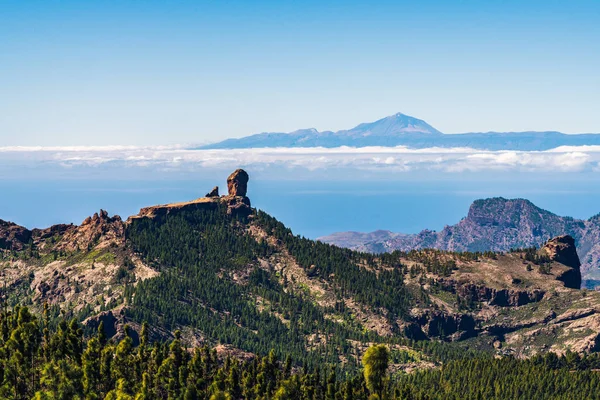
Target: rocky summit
{"points": [[214, 270], [237, 183]]}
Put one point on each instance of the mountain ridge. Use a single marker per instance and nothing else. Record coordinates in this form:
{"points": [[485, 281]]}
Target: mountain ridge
{"points": [[403, 130], [216, 271], [494, 224]]}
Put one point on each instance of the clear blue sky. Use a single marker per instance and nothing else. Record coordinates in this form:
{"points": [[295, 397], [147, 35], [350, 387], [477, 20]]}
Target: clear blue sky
{"points": [[161, 72]]}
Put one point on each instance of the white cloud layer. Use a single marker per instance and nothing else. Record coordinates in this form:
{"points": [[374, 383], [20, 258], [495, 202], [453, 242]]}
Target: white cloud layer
{"points": [[397, 159]]}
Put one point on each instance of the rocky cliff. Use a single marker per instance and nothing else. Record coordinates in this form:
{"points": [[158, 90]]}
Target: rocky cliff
{"points": [[562, 249]]}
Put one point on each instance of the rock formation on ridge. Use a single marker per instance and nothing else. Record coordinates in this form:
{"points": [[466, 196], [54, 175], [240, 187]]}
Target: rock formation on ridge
{"points": [[236, 201], [237, 183], [562, 249], [13, 236], [213, 193]]}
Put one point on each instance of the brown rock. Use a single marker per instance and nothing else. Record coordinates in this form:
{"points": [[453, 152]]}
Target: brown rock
{"points": [[495, 297], [237, 183], [213, 193], [99, 230], [13, 236], [562, 249], [238, 206], [440, 324]]}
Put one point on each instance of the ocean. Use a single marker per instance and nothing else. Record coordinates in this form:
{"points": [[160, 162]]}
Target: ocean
{"points": [[311, 208]]}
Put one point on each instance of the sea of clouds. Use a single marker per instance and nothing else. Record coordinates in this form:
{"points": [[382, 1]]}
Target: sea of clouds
{"points": [[19, 161]]}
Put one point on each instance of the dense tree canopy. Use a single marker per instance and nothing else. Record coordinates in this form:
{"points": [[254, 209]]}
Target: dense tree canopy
{"points": [[41, 362]]}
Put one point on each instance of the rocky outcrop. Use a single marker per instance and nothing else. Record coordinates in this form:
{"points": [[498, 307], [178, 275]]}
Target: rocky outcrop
{"points": [[494, 297], [13, 236], [502, 328], [115, 325], [208, 203], [237, 186], [500, 297], [107, 319], [98, 230], [238, 206], [213, 193], [237, 183], [562, 249], [439, 324], [53, 231], [236, 201]]}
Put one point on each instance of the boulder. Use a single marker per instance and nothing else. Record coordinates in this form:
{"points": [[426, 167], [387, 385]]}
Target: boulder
{"points": [[237, 183]]}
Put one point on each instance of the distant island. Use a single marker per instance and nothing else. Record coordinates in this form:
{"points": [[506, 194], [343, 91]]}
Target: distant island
{"points": [[403, 130]]}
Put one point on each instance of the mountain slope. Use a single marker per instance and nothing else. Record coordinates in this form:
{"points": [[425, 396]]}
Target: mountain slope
{"points": [[221, 272], [495, 224], [403, 130]]}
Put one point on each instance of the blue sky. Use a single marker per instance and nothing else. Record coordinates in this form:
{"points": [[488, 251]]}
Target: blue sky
{"points": [[150, 72]]}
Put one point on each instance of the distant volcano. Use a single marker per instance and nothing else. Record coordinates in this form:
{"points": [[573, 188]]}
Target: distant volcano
{"points": [[403, 130]]}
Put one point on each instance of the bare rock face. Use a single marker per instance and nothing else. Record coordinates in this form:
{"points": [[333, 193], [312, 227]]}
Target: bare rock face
{"points": [[114, 326], [237, 183], [237, 186], [54, 230], [495, 297], [495, 224], [13, 236], [438, 324], [562, 249], [97, 230], [213, 193], [236, 201], [239, 206]]}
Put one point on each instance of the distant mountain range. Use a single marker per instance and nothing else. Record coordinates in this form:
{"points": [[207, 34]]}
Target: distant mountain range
{"points": [[403, 130], [496, 224]]}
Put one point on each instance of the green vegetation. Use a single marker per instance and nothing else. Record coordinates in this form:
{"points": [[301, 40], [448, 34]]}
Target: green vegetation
{"points": [[384, 290], [198, 252], [39, 361], [532, 255], [376, 363], [282, 297]]}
